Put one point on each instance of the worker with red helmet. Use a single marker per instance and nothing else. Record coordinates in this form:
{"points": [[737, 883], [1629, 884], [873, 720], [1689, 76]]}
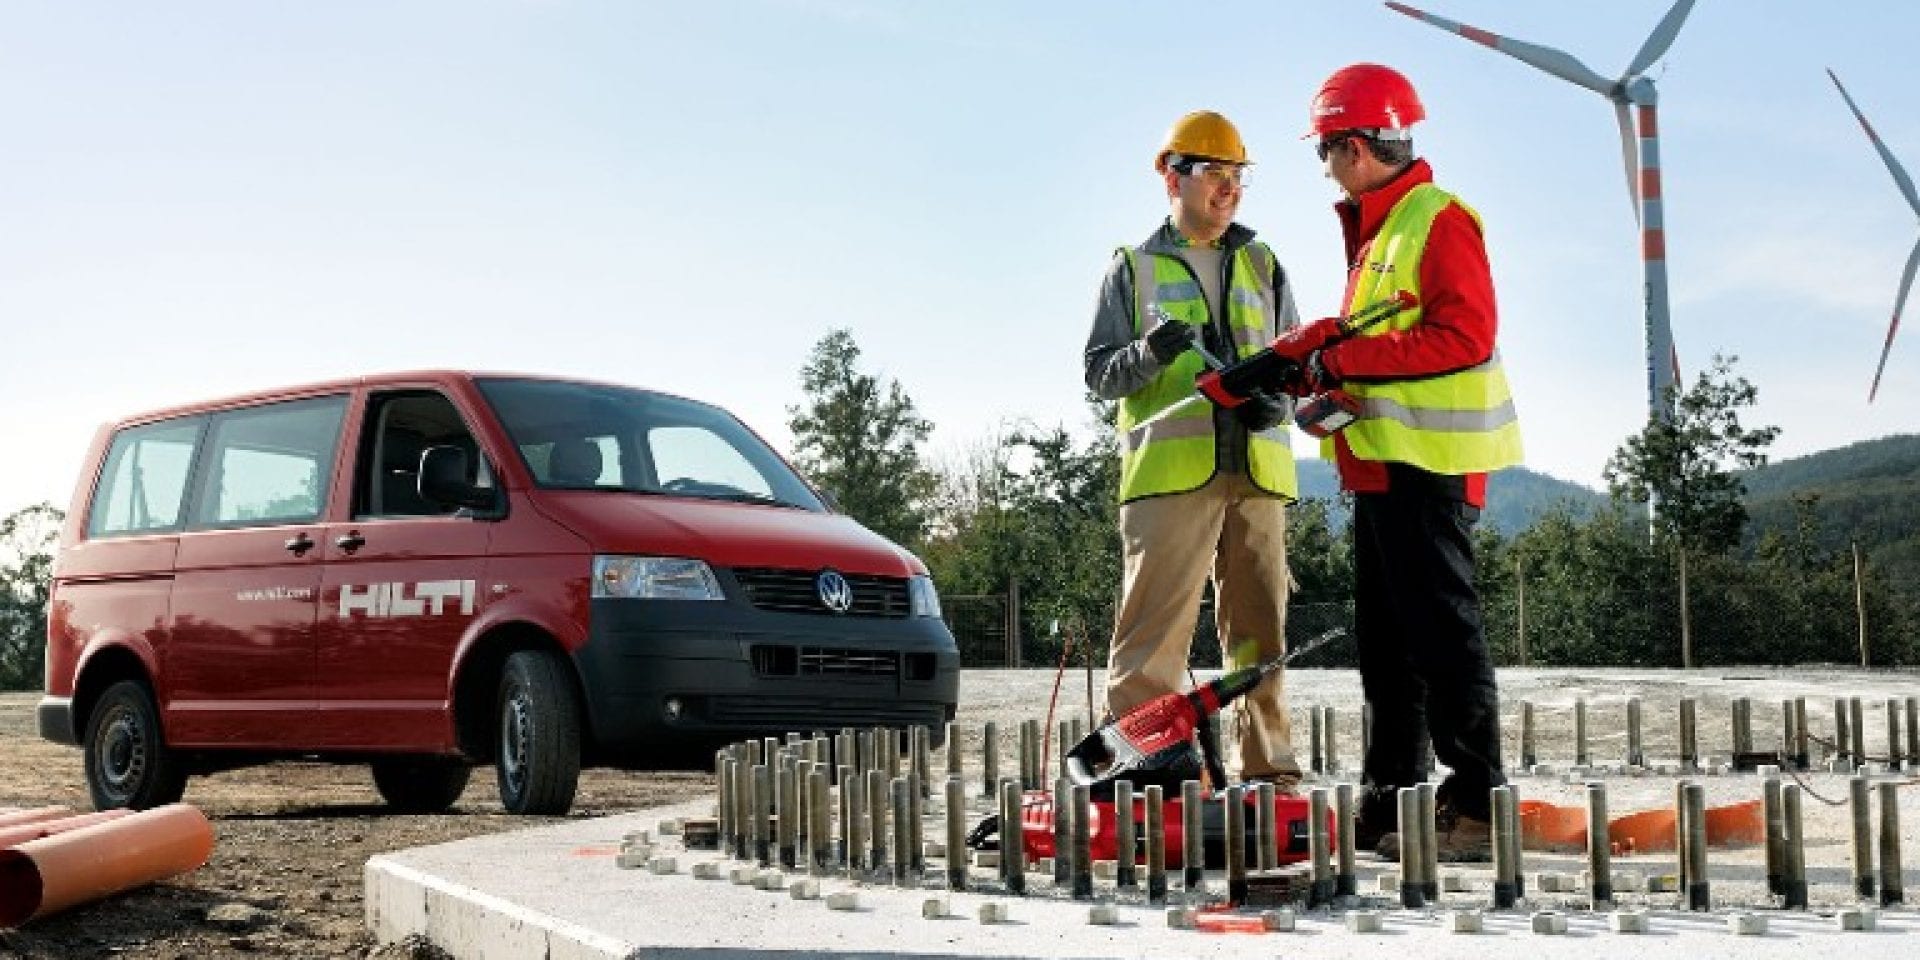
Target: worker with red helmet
{"points": [[1435, 417], [1203, 491]]}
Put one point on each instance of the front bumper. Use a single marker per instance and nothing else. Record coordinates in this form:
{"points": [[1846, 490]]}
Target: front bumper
{"points": [[661, 673], [55, 718]]}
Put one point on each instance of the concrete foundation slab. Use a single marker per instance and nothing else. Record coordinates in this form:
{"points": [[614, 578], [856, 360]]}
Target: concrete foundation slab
{"points": [[554, 892]]}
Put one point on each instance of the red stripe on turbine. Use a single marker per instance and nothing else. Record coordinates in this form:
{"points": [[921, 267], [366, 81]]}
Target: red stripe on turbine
{"points": [[1650, 183], [1480, 36], [1649, 128], [1653, 244]]}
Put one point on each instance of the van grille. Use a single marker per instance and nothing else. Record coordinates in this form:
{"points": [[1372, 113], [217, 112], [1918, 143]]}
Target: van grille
{"points": [[814, 713], [793, 591], [773, 660]]}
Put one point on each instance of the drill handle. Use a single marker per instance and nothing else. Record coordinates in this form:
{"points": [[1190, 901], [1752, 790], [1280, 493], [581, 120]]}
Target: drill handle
{"points": [[1092, 751], [1359, 321]]}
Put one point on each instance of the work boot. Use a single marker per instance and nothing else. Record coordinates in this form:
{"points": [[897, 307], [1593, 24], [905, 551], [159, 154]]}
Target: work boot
{"points": [[1460, 838]]}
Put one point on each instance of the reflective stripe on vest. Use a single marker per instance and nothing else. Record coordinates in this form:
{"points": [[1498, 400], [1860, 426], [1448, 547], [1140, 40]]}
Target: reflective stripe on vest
{"points": [[1463, 422], [1165, 429]]}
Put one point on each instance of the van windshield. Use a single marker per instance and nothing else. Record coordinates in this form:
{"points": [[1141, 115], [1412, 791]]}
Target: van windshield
{"points": [[577, 436]]}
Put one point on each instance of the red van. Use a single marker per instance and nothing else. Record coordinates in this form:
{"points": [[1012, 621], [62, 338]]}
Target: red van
{"points": [[429, 570]]}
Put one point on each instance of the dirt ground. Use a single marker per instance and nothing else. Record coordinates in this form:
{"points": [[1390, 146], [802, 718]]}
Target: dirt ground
{"points": [[291, 841], [292, 838]]}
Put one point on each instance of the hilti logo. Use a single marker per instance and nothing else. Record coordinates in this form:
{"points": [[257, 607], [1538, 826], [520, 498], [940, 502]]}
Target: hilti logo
{"points": [[428, 598]]}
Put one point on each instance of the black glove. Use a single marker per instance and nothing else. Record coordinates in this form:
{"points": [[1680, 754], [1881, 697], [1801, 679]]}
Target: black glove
{"points": [[1169, 339], [1261, 411]]}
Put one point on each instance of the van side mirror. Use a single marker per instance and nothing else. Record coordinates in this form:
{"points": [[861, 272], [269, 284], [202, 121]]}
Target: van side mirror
{"points": [[443, 479]]}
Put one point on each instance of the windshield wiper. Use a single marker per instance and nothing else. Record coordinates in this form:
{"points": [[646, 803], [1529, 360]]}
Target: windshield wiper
{"points": [[749, 497]]}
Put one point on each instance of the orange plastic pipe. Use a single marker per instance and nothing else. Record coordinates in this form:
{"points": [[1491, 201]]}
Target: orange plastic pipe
{"points": [[1736, 825], [14, 818], [14, 836], [1546, 826], [48, 875], [1645, 832]]}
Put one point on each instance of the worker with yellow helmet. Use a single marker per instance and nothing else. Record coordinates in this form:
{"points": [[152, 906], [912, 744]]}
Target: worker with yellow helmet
{"points": [[1203, 491]]}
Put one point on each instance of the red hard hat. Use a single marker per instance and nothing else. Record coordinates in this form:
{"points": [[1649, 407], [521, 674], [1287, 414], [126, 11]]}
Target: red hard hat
{"points": [[1365, 96]]}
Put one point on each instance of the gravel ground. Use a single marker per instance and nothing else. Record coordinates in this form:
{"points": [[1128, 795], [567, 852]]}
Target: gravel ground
{"points": [[284, 880]]}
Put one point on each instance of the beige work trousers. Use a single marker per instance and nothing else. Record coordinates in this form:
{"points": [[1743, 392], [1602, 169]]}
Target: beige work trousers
{"points": [[1233, 529]]}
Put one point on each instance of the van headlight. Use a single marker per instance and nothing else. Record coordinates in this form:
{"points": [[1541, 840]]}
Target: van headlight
{"points": [[658, 578], [922, 599]]}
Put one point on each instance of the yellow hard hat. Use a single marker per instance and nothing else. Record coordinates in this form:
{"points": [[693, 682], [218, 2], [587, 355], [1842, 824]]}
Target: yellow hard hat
{"points": [[1202, 133]]}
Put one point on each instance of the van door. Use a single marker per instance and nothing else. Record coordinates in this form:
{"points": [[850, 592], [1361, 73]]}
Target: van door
{"points": [[239, 661], [403, 581]]}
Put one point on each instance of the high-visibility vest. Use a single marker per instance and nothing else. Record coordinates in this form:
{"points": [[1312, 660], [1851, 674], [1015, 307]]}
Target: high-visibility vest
{"points": [[1463, 422], [1175, 453]]}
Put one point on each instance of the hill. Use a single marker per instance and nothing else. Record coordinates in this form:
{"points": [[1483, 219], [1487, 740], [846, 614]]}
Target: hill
{"points": [[1867, 492], [1515, 498]]}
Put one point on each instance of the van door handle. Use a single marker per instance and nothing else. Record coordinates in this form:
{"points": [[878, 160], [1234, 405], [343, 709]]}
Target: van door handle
{"points": [[350, 541], [299, 543]]}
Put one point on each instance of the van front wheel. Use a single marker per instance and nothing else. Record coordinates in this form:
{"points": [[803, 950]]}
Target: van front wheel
{"points": [[539, 728], [421, 784], [127, 758]]}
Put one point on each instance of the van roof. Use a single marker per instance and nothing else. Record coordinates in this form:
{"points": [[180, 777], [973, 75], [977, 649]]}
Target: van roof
{"points": [[348, 383]]}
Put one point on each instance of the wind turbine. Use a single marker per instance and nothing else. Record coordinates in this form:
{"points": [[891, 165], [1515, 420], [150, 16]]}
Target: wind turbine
{"points": [[1913, 200], [1639, 148]]}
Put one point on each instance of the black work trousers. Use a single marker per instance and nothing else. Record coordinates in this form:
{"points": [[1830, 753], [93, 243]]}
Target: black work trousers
{"points": [[1423, 650]]}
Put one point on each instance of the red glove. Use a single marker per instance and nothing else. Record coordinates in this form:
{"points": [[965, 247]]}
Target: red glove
{"points": [[1295, 344]]}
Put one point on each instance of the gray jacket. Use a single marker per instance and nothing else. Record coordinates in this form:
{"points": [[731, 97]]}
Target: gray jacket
{"points": [[1117, 363]]}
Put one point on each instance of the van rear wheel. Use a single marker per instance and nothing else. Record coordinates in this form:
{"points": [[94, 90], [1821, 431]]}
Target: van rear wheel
{"points": [[421, 784], [539, 730], [127, 759]]}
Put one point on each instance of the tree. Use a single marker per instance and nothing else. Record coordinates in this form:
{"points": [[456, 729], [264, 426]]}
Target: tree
{"points": [[1035, 507], [1594, 596], [27, 542], [859, 438], [1686, 463]]}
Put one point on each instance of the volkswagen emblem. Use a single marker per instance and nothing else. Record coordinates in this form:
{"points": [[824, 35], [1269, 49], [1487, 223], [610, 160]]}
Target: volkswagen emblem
{"points": [[836, 593]]}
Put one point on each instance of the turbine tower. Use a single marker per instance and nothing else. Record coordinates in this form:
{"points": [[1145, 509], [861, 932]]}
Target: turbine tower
{"points": [[1913, 200], [1635, 106]]}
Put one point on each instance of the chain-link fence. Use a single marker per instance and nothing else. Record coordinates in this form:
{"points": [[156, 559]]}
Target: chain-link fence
{"points": [[980, 626], [1730, 612]]}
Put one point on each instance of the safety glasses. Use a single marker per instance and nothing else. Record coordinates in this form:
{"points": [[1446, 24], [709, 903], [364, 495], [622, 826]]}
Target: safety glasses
{"points": [[1217, 173], [1325, 147]]}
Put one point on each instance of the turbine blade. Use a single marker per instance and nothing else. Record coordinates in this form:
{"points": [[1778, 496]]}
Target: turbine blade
{"points": [[1899, 302], [1893, 166], [1559, 64], [1661, 38], [1630, 153]]}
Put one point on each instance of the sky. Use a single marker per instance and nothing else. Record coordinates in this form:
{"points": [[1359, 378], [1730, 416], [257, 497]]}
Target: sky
{"points": [[200, 199]]}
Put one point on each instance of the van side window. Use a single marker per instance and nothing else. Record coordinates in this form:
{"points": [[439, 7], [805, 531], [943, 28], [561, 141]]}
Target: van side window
{"points": [[400, 427], [144, 481], [269, 464]]}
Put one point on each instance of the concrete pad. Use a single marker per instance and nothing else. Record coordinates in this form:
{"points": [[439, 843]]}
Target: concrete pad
{"points": [[554, 892], [1628, 921]]}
